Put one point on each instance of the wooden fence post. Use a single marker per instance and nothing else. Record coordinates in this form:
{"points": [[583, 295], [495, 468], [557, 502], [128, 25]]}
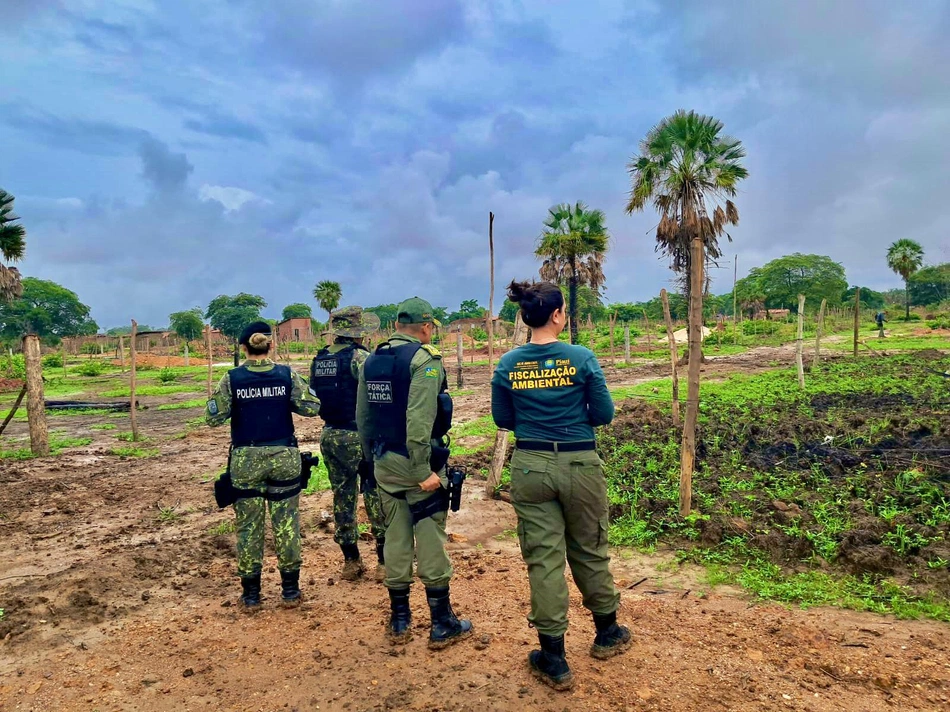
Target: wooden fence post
{"points": [[135, 427], [613, 322], [818, 330], [122, 353], [500, 453], [801, 340], [626, 342], [491, 293], [674, 356], [857, 318], [459, 382], [210, 357], [35, 403]]}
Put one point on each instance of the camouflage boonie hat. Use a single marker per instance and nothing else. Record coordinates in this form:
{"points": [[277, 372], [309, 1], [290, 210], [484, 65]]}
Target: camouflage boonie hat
{"points": [[353, 322]]}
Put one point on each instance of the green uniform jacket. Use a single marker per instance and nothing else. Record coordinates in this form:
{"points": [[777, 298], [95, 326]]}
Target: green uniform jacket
{"points": [[302, 402], [427, 376]]}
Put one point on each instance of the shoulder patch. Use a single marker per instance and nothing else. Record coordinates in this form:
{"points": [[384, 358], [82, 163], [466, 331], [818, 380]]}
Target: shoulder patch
{"points": [[433, 372], [432, 350], [213, 407]]}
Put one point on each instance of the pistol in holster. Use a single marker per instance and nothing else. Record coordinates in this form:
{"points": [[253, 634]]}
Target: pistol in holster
{"points": [[367, 472]]}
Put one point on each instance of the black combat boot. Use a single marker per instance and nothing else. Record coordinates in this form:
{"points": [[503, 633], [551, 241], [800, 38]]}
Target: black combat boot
{"points": [[612, 639], [400, 623], [290, 596], [380, 574], [446, 628], [549, 664], [251, 596]]}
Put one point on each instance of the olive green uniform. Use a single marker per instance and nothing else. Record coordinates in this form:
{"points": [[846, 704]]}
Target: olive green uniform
{"points": [[342, 452], [251, 467], [399, 475], [556, 393]]}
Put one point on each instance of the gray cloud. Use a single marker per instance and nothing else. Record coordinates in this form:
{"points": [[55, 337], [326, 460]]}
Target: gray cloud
{"points": [[351, 41], [83, 135], [163, 170]]}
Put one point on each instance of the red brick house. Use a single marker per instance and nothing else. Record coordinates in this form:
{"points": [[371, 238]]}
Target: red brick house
{"points": [[298, 329]]}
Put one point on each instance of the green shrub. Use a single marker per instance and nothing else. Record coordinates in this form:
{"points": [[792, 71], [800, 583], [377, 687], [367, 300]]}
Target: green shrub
{"points": [[750, 328], [912, 317], [53, 361], [13, 366], [167, 375], [939, 322], [91, 348], [145, 367], [91, 368]]}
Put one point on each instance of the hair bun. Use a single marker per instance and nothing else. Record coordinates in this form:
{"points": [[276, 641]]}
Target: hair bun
{"points": [[517, 291], [259, 341]]}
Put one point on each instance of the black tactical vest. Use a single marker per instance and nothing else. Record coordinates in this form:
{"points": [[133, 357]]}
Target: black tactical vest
{"points": [[260, 407], [388, 377], [332, 382]]}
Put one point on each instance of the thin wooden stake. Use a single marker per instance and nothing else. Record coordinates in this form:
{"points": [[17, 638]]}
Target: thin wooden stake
{"points": [[210, 357], [459, 353], [491, 292], [613, 322], [35, 402], [13, 410], [674, 356], [500, 454], [857, 318], [735, 282], [132, 409], [122, 353], [626, 342], [801, 341], [818, 330]]}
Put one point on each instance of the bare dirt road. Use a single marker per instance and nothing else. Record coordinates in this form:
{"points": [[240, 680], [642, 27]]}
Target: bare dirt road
{"points": [[112, 603]]}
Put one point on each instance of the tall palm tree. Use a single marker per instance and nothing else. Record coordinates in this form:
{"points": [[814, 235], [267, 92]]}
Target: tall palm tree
{"points": [[572, 246], [328, 295], [688, 170], [905, 257], [12, 247]]}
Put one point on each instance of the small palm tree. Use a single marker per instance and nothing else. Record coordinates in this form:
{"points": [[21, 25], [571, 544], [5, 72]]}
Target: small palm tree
{"points": [[688, 170], [328, 295], [12, 247], [572, 246], [905, 257]]}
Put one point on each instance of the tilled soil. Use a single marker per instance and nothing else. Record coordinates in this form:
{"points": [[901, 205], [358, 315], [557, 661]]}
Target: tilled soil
{"points": [[112, 603]]}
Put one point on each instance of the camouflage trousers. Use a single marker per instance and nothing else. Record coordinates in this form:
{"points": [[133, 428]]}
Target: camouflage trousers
{"points": [[251, 467], [342, 454]]}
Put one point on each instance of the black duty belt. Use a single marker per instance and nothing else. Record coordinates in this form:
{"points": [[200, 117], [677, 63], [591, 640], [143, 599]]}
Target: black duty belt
{"points": [[343, 426], [548, 446]]}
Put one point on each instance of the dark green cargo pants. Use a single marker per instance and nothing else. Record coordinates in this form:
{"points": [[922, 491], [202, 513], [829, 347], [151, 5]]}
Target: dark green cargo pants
{"points": [[561, 503], [424, 542]]}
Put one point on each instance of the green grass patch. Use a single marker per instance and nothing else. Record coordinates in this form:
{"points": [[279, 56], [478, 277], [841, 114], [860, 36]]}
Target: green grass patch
{"points": [[319, 479], [223, 528], [57, 444], [789, 480], [103, 426], [196, 403], [155, 390]]}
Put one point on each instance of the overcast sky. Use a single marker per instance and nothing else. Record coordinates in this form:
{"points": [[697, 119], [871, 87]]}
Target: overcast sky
{"points": [[162, 153]]}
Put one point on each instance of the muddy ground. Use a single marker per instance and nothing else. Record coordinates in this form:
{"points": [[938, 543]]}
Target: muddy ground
{"points": [[109, 604]]}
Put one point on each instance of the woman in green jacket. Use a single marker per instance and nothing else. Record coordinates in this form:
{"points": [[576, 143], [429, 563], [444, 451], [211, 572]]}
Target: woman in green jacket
{"points": [[552, 395]]}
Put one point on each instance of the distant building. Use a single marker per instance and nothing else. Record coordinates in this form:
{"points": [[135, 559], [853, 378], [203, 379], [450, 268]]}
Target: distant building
{"points": [[297, 329], [772, 314]]}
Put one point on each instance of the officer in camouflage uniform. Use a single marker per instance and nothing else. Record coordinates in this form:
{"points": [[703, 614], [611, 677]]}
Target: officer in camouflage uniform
{"points": [[334, 375], [258, 398], [401, 403]]}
